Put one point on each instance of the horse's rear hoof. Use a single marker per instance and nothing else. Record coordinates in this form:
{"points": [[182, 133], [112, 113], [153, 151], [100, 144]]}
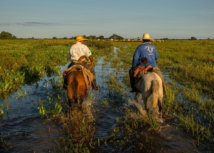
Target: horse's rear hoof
{"points": [[80, 108], [159, 120]]}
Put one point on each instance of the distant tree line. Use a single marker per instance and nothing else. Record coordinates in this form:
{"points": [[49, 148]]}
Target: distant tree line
{"points": [[91, 37], [193, 38], [114, 36], [7, 35]]}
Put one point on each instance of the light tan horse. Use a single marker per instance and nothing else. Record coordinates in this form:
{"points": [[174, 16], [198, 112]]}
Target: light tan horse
{"points": [[151, 84]]}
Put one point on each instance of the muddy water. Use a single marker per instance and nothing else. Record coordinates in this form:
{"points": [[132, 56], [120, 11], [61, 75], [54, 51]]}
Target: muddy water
{"points": [[22, 128], [24, 131]]}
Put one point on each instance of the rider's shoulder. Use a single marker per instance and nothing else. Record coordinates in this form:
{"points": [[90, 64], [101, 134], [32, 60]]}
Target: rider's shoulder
{"points": [[144, 44], [79, 45], [148, 44]]}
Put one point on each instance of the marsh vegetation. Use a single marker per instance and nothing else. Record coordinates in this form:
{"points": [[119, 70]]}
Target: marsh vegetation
{"points": [[33, 99]]}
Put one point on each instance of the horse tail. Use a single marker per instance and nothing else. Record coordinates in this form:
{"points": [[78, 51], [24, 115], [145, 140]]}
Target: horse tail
{"points": [[155, 93], [157, 70], [74, 86]]}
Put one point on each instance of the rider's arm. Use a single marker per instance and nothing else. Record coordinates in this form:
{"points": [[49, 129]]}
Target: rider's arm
{"points": [[91, 59], [87, 51], [89, 55]]}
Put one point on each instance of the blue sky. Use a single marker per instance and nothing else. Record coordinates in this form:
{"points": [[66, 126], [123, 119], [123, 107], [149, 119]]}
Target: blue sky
{"points": [[127, 18]]}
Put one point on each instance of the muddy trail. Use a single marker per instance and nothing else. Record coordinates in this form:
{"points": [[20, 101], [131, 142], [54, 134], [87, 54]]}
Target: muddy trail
{"points": [[23, 130]]}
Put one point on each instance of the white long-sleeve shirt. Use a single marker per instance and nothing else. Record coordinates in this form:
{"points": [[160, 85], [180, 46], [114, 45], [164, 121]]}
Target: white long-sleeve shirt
{"points": [[77, 50]]}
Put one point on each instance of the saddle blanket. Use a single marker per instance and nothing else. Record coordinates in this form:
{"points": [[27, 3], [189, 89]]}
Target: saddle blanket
{"points": [[88, 76], [140, 71]]}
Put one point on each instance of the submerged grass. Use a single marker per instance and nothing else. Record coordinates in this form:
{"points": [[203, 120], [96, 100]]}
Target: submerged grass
{"points": [[79, 134]]}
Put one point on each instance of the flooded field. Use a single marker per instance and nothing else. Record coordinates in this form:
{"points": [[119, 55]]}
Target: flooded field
{"points": [[116, 119]]}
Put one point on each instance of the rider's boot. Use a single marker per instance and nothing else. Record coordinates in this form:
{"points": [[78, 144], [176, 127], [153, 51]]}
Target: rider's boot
{"points": [[94, 85], [133, 90], [65, 84], [132, 85]]}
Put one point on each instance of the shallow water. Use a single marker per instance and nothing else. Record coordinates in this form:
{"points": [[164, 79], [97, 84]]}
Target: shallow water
{"points": [[24, 131], [22, 128]]}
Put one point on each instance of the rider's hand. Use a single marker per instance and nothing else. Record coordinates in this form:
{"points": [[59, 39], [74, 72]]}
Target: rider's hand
{"points": [[91, 64]]}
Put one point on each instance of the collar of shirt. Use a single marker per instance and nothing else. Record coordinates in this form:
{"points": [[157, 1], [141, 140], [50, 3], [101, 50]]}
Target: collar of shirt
{"points": [[78, 43], [147, 43]]}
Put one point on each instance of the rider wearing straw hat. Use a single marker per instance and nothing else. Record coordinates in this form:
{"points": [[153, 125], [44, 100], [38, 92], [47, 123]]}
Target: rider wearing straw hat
{"points": [[79, 49], [145, 50]]}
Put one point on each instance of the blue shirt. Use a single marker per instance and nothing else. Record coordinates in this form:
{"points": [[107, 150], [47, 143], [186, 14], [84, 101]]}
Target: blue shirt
{"points": [[145, 50]]}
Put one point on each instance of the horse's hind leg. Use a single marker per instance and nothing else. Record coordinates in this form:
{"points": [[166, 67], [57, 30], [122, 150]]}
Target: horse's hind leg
{"points": [[70, 96], [136, 96], [160, 101], [81, 101], [145, 103], [82, 97], [70, 99]]}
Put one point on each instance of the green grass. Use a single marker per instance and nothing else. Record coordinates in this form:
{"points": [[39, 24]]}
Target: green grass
{"points": [[189, 64]]}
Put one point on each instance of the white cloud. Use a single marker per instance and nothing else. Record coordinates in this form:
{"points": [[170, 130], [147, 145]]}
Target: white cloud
{"points": [[5, 24], [32, 23]]}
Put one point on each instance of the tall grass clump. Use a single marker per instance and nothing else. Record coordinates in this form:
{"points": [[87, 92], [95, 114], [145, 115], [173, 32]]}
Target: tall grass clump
{"points": [[79, 134]]}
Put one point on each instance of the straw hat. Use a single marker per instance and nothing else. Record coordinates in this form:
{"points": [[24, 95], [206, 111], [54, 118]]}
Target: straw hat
{"points": [[146, 36], [80, 38]]}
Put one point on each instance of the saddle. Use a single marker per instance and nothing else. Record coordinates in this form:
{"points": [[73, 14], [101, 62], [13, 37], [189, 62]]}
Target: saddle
{"points": [[140, 71], [88, 76]]}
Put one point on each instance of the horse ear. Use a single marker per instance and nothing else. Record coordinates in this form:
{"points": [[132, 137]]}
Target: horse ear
{"points": [[144, 60]]}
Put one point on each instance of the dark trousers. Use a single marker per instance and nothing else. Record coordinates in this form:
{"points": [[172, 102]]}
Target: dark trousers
{"points": [[131, 73]]}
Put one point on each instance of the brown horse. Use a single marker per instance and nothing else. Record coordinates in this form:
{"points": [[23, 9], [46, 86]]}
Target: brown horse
{"points": [[76, 88]]}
